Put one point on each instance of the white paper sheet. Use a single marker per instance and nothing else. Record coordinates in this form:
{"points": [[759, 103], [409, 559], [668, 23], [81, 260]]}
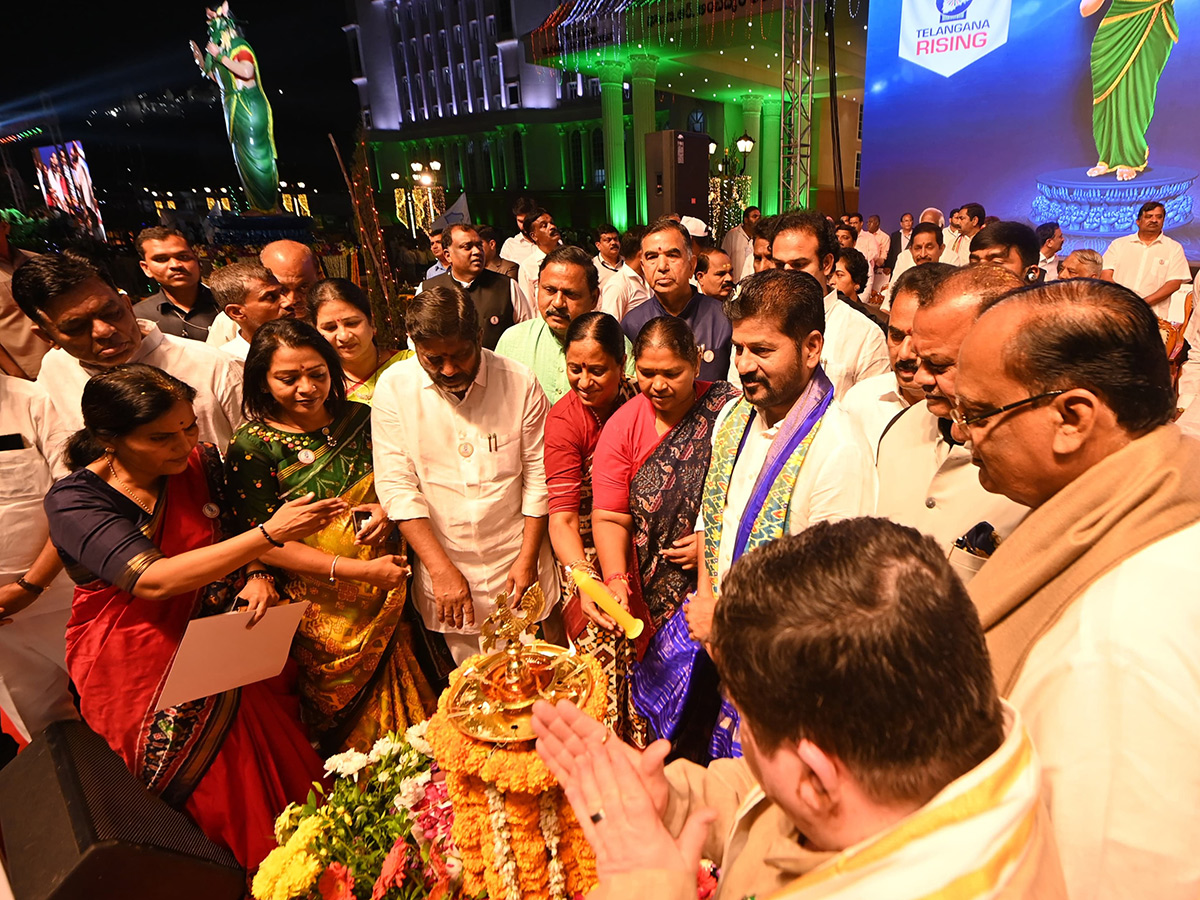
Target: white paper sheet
{"points": [[219, 653]]}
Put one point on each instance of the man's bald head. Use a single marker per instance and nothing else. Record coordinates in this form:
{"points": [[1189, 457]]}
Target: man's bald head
{"points": [[977, 286], [295, 266]]}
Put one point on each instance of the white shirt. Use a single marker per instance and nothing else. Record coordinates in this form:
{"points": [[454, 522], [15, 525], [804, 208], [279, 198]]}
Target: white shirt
{"points": [[221, 331], [626, 291], [216, 376], [837, 480], [473, 467], [883, 241], [926, 483], [1049, 265], [238, 348], [1111, 697], [854, 347], [33, 679], [522, 308], [1189, 376], [527, 277], [604, 270], [739, 249], [516, 248], [872, 403], [26, 474], [866, 245], [1144, 268]]}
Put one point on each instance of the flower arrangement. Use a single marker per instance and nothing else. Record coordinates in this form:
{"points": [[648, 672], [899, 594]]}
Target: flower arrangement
{"points": [[514, 828], [381, 832]]}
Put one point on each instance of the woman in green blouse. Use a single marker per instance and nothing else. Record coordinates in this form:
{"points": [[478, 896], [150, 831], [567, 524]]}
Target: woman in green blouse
{"points": [[358, 676]]}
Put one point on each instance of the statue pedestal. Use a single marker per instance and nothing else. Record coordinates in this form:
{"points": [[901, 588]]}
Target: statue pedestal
{"points": [[258, 229], [1093, 211]]}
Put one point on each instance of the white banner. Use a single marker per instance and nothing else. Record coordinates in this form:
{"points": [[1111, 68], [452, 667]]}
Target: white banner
{"points": [[946, 36]]}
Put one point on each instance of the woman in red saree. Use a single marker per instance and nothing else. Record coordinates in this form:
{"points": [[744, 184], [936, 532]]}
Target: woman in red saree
{"points": [[140, 525], [647, 480]]}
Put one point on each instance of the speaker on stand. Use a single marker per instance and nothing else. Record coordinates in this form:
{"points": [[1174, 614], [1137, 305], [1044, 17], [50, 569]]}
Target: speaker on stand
{"points": [[77, 825]]}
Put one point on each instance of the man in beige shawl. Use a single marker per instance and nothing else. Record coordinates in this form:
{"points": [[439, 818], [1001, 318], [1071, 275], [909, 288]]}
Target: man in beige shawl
{"points": [[1092, 606], [880, 763]]}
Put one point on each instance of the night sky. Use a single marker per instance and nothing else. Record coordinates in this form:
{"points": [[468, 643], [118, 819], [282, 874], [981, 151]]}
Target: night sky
{"points": [[95, 55]]}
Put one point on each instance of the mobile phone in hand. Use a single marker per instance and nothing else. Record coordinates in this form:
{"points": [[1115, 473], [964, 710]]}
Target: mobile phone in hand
{"points": [[360, 518]]}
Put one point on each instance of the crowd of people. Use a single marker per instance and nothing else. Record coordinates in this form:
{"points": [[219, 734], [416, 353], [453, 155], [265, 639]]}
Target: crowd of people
{"points": [[907, 516]]}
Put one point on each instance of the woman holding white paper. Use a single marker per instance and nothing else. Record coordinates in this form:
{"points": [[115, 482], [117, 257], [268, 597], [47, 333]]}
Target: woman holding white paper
{"points": [[141, 525]]}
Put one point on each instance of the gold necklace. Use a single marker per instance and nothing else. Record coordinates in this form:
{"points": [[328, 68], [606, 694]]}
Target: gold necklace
{"points": [[126, 487]]}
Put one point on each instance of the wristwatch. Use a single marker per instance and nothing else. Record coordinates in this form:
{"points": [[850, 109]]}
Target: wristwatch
{"points": [[35, 589]]}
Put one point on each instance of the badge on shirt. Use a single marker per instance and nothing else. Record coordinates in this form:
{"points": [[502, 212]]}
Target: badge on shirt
{"points": [[465, 449], [495, 320], [306, 456], [210, 510]]}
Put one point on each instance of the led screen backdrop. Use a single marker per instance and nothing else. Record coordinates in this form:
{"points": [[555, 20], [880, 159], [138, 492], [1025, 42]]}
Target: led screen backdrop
{"points": [[66, 184], [1009, 103]]}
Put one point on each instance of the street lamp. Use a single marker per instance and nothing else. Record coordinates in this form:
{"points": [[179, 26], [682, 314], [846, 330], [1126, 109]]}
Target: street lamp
{"points": [[435, 165], [395, 176], [416, 167], [712, 148], [745, 143]]}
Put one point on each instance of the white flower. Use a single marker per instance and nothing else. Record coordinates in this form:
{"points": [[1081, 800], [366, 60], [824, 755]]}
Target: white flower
{"points": [[385, 746], [383, 776], [347, 764], [412, 791], [415, 736]]}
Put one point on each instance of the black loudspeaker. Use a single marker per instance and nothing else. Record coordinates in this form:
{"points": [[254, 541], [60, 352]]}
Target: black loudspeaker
{"points": [[677, 174], [78, 825]]}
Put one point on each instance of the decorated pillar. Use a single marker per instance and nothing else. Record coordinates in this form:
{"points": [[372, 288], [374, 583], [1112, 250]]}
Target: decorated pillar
{"points": [[522, 159], [585, 154], [496, 140], [751, 115], [564, 151], [768, 186], [510, 163], [644, 66], [612, 119], [461, 154]]}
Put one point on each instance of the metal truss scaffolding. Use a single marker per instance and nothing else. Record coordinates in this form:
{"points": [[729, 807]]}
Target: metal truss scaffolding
{"points": [[795, 164]]}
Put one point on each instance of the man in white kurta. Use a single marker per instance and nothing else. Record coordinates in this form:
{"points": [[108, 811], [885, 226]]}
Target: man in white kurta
{"points": [[739, 242], [1148, 262], [926, 477], [33, 671], [94, 329], [216, 376], [1090, 605], [469, 470], [779, 371]]}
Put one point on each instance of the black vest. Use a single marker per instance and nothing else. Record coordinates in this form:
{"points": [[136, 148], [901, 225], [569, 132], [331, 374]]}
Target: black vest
{"points": [[492, 293]]}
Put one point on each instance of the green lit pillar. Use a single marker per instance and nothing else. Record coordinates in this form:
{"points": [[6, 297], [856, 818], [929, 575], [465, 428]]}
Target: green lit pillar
{"points": [[612, 120], [768, 185], [751, 119], [522, 159], [564, 151], [644, 66], [464, 175]]}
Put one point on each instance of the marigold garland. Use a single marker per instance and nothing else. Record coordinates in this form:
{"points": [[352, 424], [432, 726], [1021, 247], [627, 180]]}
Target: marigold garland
{"points": [[512, 824]]}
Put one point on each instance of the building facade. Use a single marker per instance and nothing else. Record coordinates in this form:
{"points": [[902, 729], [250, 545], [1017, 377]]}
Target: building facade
{"points": [[511, 97]]}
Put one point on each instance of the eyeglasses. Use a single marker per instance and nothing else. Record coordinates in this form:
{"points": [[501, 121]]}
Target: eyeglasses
{"points": [[963, 421]]}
